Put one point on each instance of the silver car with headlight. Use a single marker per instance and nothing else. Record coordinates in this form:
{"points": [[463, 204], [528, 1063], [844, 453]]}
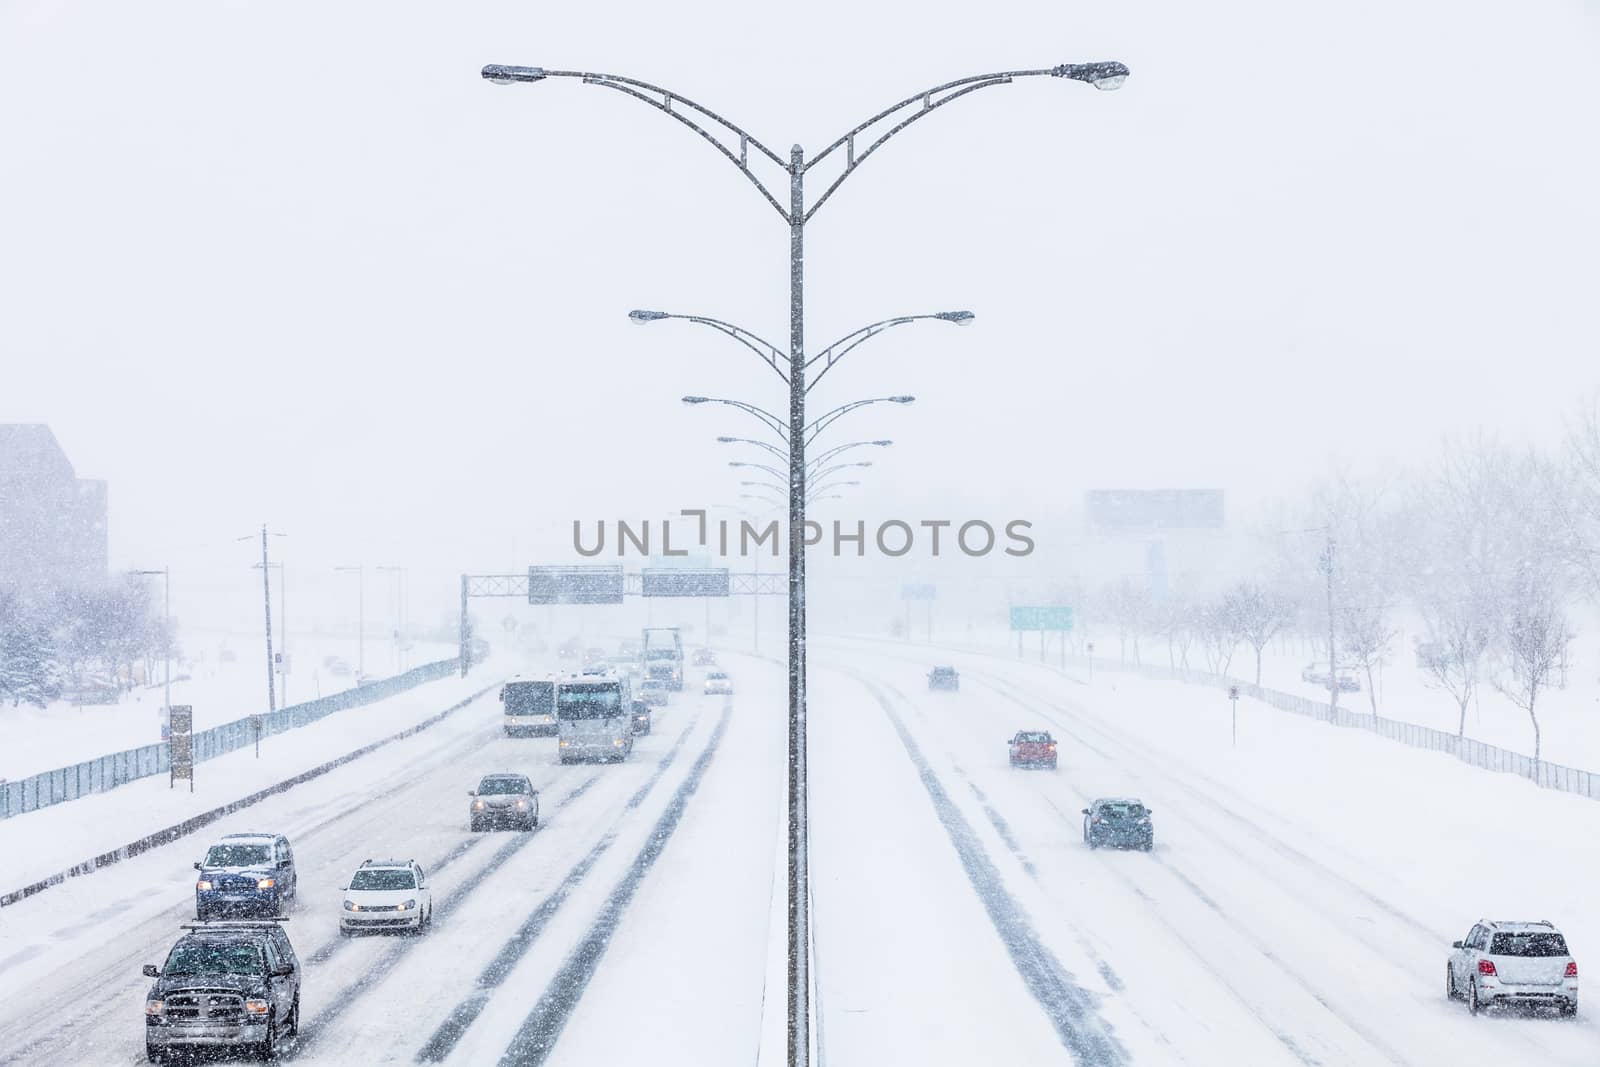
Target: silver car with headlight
{"points": [[508, 800]]}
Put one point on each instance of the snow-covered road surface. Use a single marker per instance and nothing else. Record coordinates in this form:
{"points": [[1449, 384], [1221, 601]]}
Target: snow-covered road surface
{"points": [[1288, 915]]}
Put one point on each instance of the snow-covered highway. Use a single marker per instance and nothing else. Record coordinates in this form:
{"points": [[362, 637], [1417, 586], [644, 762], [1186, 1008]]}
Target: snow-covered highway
{"points": [[1284, 916]]}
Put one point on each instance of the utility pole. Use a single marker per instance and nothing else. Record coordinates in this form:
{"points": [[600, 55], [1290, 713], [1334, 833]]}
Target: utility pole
{"points": [[266, 604]]}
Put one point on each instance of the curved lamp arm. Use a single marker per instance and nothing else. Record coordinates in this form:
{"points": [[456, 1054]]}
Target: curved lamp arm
{"points": [[828, 418], [780, 453], [772, 421], [702, 120], [782, 476], [765, 350], [817, 461], [1103, 75], [836, 351]]}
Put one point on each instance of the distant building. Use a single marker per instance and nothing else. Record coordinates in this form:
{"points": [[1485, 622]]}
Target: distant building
{"points": [[52, 523]]}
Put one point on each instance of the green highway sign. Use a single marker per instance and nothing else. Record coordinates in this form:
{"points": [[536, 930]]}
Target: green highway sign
{"points": [[1057, 617]]}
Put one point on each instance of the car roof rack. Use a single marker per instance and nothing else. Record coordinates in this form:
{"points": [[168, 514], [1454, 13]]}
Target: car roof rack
{"points": [[262, 923]]}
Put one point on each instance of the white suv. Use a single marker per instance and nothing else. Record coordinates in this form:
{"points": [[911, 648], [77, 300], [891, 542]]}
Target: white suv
{"points": [[1513, 963], [387, 895]]}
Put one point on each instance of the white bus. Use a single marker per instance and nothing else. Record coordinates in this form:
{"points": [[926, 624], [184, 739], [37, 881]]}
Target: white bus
{"points": [[595, 713], [530, 707]]}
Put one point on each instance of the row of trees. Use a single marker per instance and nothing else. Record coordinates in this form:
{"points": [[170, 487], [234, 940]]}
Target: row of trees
{"points": [[1493, 547], [55, 643]]}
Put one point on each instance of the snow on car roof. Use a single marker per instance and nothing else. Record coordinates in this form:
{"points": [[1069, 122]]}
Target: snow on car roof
{"points": [[265, 839]]}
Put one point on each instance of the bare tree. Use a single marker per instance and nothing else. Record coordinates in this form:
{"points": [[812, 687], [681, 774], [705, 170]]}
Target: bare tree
{"points": [[1364, 620], [1259, 615], [1532, 645], [1218, 629]]}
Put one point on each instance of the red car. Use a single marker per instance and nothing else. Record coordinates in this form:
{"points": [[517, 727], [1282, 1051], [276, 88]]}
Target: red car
{"points": [[1033, 748]]}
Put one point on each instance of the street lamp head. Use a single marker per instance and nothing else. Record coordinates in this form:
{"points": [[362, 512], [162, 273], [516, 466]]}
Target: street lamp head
{"points": [[900, 399], [696, 399], [960, 318], [726, 440], [881, 444], [1106, 75], [639, 318], [501, 74]]}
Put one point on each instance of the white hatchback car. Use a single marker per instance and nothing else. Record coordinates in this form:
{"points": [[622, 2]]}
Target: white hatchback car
{"points": [[387, 895], [718, 682], [1513, 963]]}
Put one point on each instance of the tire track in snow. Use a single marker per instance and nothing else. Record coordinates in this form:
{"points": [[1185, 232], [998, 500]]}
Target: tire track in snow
{"points": [[542, 1028], [466, 1012], [1244, 931], [1071, 1009]]}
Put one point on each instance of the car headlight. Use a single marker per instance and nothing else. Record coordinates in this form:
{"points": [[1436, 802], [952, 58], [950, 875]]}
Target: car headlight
{"points": [[202, 885], [256, 1006], [351, 905], [266, 883], [408, 905], [154, 1007], [478, 805], [522, 805], [564, 744], [618, 742]]}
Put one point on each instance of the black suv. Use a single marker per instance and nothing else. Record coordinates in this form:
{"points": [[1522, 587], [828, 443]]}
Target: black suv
{"points": [[225, 985]]}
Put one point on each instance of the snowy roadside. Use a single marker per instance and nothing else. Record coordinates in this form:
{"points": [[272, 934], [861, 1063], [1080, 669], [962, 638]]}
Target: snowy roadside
{"points": [[44, 842], [1569, 718], [33, 740]]}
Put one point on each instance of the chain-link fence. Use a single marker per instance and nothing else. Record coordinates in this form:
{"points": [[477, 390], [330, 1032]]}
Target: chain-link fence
{"points": [[119, 768]]}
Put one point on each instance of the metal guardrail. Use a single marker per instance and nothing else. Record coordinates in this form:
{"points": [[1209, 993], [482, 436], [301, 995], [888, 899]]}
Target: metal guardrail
{"points": [[119, 768]]}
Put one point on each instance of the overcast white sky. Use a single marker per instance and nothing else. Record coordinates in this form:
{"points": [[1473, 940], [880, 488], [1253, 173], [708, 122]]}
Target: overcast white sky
{"points": [[297, 262]]}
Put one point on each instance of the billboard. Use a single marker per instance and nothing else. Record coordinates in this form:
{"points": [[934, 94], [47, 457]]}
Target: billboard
{"points": [[595, 584], [675, 581], [1050, 617], [1142, 510]]}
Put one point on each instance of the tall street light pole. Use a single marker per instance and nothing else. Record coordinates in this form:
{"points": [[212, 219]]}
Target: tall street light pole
{"points": [[736, 145]]}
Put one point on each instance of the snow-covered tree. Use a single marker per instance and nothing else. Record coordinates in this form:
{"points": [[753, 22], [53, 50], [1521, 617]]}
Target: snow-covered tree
{"points": [[1532, 645], [1259, 614]]}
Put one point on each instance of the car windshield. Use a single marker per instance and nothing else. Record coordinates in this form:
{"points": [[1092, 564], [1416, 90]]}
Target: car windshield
{"points": [[1032, 736], [501, 785], [1122, 809], [198, 956], [383, 878], [1532, 943], [652, 687], [716, 676], [238, 855]]}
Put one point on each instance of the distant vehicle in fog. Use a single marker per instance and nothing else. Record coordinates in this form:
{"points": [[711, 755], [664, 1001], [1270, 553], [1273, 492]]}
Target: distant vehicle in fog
{"points": [[503, 800], [718, 683], [654, 693], [1032, 748], [530, 707], [663, 656], [642, 718], [944, 678], [704, 657], [596, 718]]}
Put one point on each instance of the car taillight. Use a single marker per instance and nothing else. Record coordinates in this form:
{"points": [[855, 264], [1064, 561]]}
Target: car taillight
{"points": [[1486, 967], [1572, 969]]}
